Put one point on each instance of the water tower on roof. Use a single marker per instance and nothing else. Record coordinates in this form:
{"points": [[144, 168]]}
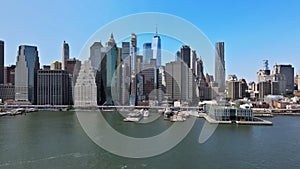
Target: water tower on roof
{"points": [[265, 65]]}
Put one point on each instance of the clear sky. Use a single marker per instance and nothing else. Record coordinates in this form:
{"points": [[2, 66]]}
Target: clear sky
{"points": [[253, 30]]}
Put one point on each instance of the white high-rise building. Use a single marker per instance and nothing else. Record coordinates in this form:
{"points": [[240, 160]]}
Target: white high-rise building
{"points": [[85, 94], [156, 48]]}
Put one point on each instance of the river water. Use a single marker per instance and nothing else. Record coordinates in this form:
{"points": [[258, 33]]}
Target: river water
{"points": [[48, 139]]}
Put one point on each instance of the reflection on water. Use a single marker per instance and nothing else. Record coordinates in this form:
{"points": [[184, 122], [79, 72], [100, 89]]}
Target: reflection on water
{"points": [[56, 140]]}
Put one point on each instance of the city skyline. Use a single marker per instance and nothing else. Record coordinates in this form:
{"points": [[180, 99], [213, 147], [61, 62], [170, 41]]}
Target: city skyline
{"points": [[259, 32], [141, 51]]}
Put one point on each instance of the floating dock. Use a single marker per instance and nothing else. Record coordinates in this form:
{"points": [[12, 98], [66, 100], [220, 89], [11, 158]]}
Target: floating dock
{"points": [[213, 121]]}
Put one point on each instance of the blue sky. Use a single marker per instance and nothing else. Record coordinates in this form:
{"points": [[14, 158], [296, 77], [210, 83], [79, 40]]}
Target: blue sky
{"points": [[252, 30]]}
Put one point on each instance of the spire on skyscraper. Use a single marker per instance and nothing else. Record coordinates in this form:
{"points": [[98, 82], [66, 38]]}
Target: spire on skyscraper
{"points": [[111, 41], [111, 36]]}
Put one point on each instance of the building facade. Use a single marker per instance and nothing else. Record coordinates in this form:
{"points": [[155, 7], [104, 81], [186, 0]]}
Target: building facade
{"points": [[147, 52], [96, 55], [25, 74], [53, 87], [264, 89], [7, 92], [86, 89], [233, 89], [288, 72], [65, 54], [9, 74], [179, 82], [133, 78], [125, 73], [243, 89], [56, 65], [156, 48], [1, 62], [193, 61], [185, 55], [220, 66]]}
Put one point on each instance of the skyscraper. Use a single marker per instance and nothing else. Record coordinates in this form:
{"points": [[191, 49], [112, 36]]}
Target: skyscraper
{"points": [[288, 72], [25, 74], [9, 74], [148, 82], [133, 53], [179, 81], [185, 55], [96, 55], [147, 52], [53, 87], [243, 87], [125, 73], [232, 89], [85, 94], [156, 48], [133, 58], [125, 52], [199, 69], [110, 66], [65, 54], [193, 61], [1, 62], [220, 66]]}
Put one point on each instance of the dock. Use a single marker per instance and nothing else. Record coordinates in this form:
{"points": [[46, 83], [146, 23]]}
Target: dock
{"points": [[213, 121]]}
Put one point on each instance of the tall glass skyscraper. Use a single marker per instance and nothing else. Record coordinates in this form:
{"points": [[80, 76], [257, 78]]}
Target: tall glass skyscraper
{"points": [[220, 66], [108, 67], [25, 74], [156, 48], [147, 52]]}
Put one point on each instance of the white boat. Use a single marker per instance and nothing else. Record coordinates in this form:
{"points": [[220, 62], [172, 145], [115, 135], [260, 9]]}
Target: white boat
{"points": [[134, 117], [4, 113], [31, 110], [17, 111], [176, 118], [168, 110], [146, 113]]}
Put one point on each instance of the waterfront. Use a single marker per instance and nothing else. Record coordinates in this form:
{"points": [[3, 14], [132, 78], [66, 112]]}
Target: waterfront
{"points": [[56, 140]]}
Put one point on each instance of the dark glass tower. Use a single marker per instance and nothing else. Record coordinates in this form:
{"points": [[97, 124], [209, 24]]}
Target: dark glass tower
{"points": [[65, 54], [185, 55], [147, 52], [26, 74]]}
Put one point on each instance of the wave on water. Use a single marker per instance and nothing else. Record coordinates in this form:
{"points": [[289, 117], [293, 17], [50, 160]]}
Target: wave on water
{"points": [[74, 155]]}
